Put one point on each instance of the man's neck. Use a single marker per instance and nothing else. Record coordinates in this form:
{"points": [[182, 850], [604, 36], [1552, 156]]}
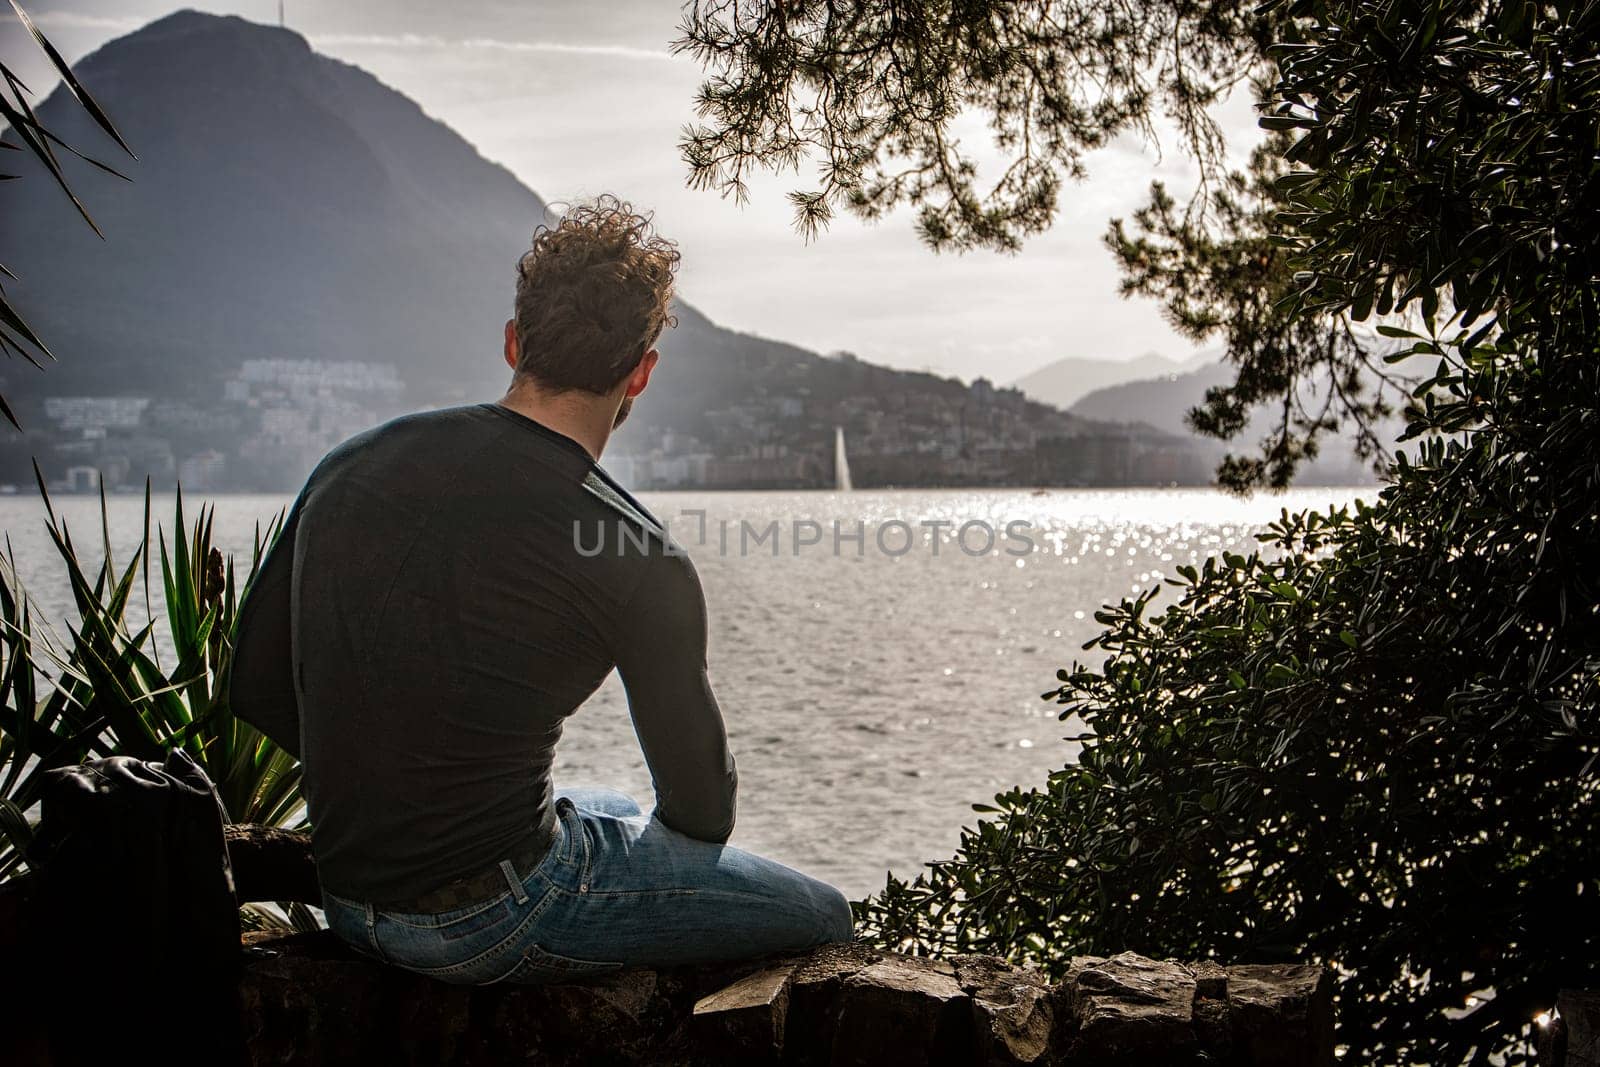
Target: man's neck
{"points": [[585, 417]]}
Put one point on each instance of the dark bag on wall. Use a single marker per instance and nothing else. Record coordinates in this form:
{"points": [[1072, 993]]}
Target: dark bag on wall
{"points": [[135, 889]]}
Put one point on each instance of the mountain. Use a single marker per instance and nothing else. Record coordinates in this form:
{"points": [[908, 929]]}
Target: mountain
{"points": [[284, 204], [1066, 381], [1160, 400], [302, 252], [1164, 403]]}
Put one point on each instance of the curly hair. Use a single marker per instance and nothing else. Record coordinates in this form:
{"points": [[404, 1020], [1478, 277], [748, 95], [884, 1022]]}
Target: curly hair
{"points": [[592, 296]]}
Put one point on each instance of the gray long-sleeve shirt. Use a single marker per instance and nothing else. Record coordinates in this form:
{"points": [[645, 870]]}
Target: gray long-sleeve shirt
{"points": [[433, 610]]}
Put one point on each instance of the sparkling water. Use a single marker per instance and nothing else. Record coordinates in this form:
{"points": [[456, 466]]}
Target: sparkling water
{"points": [[878, 655]]}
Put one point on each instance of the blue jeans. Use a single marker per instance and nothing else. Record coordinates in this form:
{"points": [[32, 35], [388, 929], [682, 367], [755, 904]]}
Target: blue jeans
{"points": [[617, 889]]}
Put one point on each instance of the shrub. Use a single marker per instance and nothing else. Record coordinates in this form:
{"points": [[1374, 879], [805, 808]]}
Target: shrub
{"points": [[1373, 744]]}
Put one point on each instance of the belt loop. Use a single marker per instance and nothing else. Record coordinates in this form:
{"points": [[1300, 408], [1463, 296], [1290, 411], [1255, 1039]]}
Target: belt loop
{"points": [[516, 883], [372, 930], [579, 847], [572, 830]]}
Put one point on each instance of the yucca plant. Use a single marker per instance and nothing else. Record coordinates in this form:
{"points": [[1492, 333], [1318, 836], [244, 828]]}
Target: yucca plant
{"points": [[118, 688]]}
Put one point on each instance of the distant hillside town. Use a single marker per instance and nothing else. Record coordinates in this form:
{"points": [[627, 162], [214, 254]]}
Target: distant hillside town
{"points": [[273, 419], [268, 427], [976, 435]]}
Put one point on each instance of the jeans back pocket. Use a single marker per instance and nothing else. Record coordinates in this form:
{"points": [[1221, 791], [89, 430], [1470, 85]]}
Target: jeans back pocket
{"points": [[468, 922]]}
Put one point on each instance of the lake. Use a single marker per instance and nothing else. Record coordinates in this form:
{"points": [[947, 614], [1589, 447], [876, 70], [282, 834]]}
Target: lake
{"points": [[878, 655]]}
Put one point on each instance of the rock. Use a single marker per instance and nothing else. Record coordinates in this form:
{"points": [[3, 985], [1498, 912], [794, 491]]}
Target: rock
{"points": [[1210, 980], [326, 1010], [620, 1017], [1212, 1021], [902, 1009], [815, 991], [1129, 1009], [1279, 1012], [1572, 1039], [314, 1002], [1013, 1015], [270, 863], [747, 1018]]}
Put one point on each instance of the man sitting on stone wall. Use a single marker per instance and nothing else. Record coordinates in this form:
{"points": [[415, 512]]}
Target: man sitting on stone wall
{"points": [[428, 619]]}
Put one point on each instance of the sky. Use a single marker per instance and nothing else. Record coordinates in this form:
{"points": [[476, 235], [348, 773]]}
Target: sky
{"points": [[579, 98]]}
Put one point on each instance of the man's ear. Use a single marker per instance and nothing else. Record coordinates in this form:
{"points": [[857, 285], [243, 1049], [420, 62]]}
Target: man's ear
{"points": [[511, 343], [641, 374]]}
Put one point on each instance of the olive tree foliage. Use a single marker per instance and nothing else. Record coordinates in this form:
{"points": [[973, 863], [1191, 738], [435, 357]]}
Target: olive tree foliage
{"points": [[871, 90], [1221, 268], [1372, 743]]}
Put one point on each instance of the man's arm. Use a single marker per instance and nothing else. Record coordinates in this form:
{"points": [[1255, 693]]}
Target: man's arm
{"points": [[661, 655], [260, 680]]}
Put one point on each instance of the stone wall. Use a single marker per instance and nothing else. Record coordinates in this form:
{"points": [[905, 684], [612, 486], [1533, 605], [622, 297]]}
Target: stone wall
{"points": [[306, 1000], [86, 984]]}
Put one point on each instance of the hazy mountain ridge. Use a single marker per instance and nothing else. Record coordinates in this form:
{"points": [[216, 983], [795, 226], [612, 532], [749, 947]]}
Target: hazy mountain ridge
{"points": [[1164, 403], [1067, 381]]}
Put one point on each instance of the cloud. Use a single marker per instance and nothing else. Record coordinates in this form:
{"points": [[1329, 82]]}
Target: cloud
{"points": [[79, 20], [74, 20], [417, 40]]}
